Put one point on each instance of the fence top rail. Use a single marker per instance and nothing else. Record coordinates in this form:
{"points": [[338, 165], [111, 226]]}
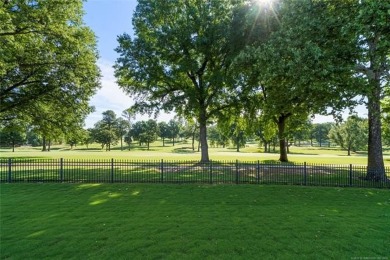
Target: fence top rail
{"points": [[4, 161]]}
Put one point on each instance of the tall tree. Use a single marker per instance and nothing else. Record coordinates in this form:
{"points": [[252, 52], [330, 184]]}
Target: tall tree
{"points": [[105, 131], [46, 54], [370, 22], [297, 67], [179, 59]]}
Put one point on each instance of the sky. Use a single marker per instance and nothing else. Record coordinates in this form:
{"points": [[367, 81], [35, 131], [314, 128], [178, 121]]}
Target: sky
{"points": [[108, 19]]}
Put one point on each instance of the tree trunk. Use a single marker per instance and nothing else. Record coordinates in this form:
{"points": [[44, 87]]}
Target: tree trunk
{"points": [[43, 144], [163, 139], [238, 144], [203, 136], [13, 146], [193, 141], [375, 165], [121, 143], [49, 145], [148, 145], [173, 139], [203, 143], [282, 140], [288, 146]]}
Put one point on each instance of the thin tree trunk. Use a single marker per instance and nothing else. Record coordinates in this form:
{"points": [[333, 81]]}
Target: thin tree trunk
{"points": [[288, 146], [193, 141]]}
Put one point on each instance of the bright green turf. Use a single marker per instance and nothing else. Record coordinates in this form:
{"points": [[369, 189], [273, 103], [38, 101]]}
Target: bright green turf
{"points": [[114, 221], [182, 151]]}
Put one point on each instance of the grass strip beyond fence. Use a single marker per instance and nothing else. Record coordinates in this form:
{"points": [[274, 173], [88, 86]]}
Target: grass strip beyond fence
{"points": [[213, 172]]}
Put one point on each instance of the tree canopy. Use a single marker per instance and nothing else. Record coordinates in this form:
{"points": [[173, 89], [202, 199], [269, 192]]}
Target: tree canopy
{"points": [[47, 61], [179, 59], [278, 62]]}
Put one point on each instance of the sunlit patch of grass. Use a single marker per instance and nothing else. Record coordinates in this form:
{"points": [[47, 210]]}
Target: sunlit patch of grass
{"points": [[116, 221]]}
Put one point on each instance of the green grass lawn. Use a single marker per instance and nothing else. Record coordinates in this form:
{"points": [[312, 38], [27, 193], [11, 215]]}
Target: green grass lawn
{"points": [[118, 221], [182, 151]]}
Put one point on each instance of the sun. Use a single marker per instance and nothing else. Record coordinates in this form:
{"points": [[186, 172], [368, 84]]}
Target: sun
{"points": [[266, 3]]}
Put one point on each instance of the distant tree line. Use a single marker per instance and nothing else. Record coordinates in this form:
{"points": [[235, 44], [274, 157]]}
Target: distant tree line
{"points": [[111, 130]]}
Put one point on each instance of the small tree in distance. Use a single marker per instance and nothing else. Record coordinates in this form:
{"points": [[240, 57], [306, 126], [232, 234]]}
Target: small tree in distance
{"points": [[351, 135]]}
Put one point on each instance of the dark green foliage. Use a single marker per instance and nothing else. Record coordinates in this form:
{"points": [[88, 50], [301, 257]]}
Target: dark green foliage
{"points": [[179, 59], [48, 68]]}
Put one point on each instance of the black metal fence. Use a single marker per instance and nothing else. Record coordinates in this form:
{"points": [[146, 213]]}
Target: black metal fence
{"points": [[214, 172]]}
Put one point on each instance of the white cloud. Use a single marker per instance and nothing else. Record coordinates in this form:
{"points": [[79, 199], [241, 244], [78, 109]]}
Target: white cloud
{"points": [[111, 97], [360, 110]]}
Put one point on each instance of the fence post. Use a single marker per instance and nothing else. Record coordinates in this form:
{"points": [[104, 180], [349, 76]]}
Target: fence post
{"points": [[211, 172], [304, 174], [258, 172], [112, 170], [162, 170], [9, 170], [237, 173], [61, 169], [350, 175]]}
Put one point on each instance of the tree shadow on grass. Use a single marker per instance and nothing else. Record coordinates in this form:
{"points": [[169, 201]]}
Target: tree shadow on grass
{"points": [[30, 158], [183, 150], [84, 149], [277, 162], [299, 153]]}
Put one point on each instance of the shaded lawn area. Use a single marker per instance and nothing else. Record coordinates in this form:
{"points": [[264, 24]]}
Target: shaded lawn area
{"points": [[154, 221]]}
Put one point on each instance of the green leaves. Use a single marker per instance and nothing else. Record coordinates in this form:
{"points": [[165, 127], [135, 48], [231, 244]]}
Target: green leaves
{"points": [[350, 135], [179, 58], [47, 59]]}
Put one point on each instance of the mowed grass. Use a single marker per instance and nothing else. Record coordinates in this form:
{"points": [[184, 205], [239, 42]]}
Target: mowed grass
{"points": [[117, 221], [182, 152]]}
